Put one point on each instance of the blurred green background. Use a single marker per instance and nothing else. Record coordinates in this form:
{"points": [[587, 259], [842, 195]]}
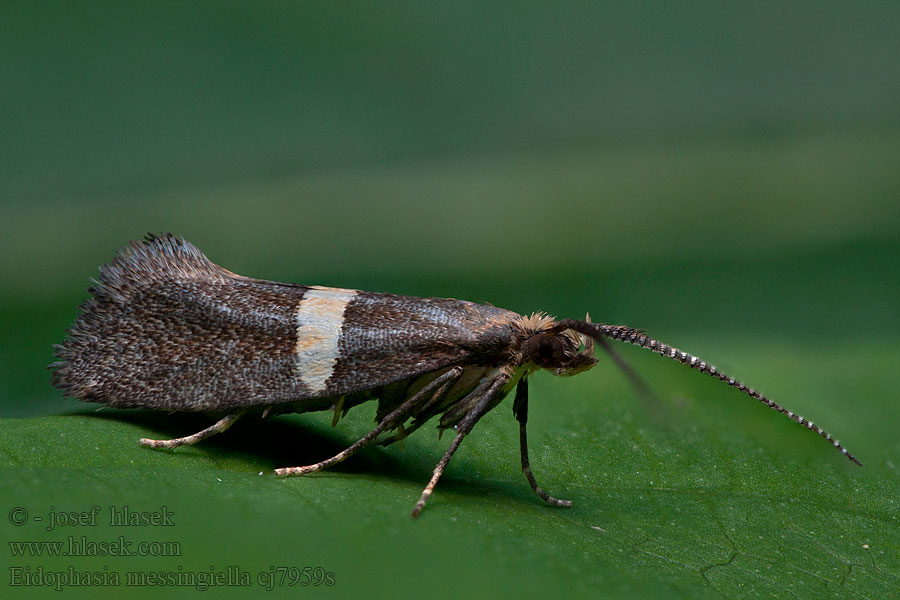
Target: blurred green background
{"points": [[725, 175]]}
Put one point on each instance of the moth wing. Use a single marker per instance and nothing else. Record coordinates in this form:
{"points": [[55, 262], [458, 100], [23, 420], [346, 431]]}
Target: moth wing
{"points": [[168, 329], [385, 338]]}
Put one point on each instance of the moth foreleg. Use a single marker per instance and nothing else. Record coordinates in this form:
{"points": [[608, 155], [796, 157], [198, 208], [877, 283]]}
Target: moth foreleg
{"points": [[430, 393], [520, 410], [464, 427], [220, 426]]}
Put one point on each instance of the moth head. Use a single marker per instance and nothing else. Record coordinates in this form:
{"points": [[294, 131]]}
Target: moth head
{"points": [[565, 352]]}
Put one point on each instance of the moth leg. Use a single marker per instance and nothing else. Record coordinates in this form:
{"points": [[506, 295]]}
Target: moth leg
{"points": [[438, 386], [464, 427], [405, 433], [220, 426], [520, 410]]}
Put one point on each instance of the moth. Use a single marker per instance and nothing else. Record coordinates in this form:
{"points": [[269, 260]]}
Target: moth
{"points": [[167, 329]]}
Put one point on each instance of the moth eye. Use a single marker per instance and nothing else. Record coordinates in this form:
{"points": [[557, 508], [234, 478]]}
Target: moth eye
{"points": [[547, 351]]}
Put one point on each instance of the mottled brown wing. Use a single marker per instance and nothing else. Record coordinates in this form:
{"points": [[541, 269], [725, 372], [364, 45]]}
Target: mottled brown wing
{"points": [[167, 329]]}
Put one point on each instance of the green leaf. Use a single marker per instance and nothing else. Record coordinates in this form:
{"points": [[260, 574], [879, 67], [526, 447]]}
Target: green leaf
{"points": [[703, 495]]}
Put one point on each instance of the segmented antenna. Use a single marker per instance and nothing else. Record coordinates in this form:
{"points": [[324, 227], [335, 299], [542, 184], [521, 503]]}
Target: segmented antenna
{"points": [[639, 338]]}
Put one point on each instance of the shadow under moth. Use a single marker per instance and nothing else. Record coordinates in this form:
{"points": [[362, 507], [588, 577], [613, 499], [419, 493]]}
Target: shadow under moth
{"points": [[167, 329]]}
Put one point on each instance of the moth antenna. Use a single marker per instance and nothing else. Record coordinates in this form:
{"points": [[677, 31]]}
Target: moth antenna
{"points": [[637, 382], [629, 335]]}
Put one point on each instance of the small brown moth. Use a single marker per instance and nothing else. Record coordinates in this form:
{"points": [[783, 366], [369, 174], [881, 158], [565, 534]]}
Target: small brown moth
{"points": [[167, 329]]}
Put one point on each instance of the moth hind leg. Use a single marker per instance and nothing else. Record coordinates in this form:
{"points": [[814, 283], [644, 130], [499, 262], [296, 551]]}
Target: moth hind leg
{"points": [[221, 425], [429, 394], [405, 432], [485, 403]]}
